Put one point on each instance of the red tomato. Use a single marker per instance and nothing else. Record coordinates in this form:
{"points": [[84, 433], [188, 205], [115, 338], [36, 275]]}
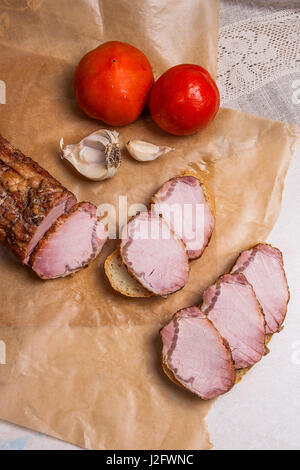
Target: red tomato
{"points": [[184, 99], [112, 83]]}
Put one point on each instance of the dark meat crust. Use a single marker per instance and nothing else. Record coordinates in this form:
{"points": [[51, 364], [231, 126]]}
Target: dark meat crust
{"points": [[27, 194]]}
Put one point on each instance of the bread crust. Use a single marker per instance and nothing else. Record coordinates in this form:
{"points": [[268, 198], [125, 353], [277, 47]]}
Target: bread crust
{"points": [[130, 272], [209, 199], [240, 373], [114, 284]]}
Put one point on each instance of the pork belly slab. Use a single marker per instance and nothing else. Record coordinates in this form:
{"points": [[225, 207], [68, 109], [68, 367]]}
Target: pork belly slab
{"points": [[264, 270], [184, 204], [233, 308], [73, 241], [195, 355], [153, 255], [30, 201]]}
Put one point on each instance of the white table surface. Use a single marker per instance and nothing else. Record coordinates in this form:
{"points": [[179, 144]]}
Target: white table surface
{"points": [[263, 411]]}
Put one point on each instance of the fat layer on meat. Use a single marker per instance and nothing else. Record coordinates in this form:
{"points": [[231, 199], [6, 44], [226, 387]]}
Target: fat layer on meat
{"points": [[73, 241], [263, 267], [233, 308], [183, 202], [195, 355], [154, 255]]}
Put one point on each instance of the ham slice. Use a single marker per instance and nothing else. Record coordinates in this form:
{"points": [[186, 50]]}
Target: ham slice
{"points": [[30, 201], [233, 308], [184, 203], [153, 255], [195, 356], [264, 270], [73, 241]]}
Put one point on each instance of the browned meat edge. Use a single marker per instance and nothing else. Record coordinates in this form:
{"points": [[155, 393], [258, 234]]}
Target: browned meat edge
{"points": [[27, 194], [208, 196], [59, 222], [209, 199], [131, 273], [171, 375], [283, 270]]}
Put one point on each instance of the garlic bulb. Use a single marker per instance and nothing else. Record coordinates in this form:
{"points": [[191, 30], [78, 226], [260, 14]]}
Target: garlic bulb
{"points": [[145, 152], [97, 157]]}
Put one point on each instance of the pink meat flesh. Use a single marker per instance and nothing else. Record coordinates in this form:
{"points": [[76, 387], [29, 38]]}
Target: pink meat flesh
{"points": [[182, 203], [233, 308], [74, 240], [197, 355], [264, 270], [61, 208], [30, 201], [154, 255]]}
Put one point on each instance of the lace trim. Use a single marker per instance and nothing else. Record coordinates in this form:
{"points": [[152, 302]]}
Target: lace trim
{"points": [[258, 51]]}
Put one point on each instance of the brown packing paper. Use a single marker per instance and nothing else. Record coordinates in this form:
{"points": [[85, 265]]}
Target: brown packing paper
{"points": [[83, 362], [168, 31]]}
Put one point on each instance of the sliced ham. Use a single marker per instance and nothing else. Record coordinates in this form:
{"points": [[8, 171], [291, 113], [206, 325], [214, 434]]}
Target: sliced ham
{"points": [[153, 255], [30, 201], [73, 241], [195, 356], [184, 204], [233, 308], [264, 270]]}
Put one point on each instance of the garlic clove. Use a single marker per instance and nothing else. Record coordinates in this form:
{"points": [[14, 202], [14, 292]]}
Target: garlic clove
{"points": [[144, 151], [96, 157]]}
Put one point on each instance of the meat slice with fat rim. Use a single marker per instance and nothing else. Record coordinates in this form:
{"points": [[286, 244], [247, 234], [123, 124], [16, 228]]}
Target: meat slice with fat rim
{"points": [[263, 267], [185, 204], [153, 254], [30, 201], [195, 355], [73, 241], [233, 308]]}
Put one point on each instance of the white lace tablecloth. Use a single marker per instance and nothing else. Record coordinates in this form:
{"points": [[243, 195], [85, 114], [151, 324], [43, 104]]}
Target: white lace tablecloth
{"points": [[259, 72], [259, 57]]}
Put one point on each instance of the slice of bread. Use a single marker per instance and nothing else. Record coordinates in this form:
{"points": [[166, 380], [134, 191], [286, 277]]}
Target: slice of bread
{"points": [[116, 271], [120, 278]]}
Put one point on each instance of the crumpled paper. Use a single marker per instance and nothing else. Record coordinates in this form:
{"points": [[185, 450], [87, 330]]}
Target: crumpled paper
{"points": [[83, 363]]}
